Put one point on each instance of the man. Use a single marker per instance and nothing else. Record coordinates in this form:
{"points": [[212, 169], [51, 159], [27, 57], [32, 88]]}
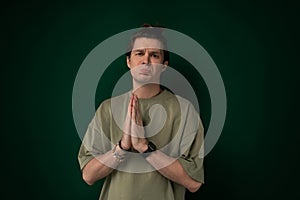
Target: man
{"points": [[154, 154]]}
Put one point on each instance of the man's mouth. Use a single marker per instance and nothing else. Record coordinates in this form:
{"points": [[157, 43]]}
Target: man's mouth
{"points": [[144, 71]]}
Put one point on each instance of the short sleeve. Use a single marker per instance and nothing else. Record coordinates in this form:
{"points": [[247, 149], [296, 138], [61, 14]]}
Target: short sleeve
{"points": [[84, 156], [96, 140], [192, 159]]}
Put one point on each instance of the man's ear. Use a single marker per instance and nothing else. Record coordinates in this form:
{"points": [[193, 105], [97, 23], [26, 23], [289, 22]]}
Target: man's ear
{"points": [[165, 65], [128, 62]]}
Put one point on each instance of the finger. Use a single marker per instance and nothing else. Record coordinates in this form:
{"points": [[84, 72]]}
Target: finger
{"points": [[127, 126], [137, 102], [133, 111], [137, 129], [134, 126], [138, 118], [127, 122], [131, 104]]}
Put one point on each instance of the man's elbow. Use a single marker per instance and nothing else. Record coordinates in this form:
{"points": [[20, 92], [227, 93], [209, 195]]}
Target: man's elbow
{"points": [[88, 179], [195, 187]]}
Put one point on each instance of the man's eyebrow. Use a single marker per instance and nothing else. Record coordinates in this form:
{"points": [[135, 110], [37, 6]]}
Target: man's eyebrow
{"points": [[155, 51], [135, 50]]}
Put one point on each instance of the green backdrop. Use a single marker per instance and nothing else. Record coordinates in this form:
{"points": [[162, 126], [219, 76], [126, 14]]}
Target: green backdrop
{"points": [[253, 43]]}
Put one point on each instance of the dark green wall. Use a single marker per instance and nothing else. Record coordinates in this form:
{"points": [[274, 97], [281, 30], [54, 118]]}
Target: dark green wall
{"points": [[253, 43]]}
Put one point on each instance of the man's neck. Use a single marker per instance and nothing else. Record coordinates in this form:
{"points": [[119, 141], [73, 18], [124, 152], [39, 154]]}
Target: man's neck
{"points": [[147, 91]]}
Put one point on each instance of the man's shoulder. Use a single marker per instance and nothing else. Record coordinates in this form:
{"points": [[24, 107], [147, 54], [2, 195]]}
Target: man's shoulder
{"points": [[176, 101], [114, 101], [181, 100]]}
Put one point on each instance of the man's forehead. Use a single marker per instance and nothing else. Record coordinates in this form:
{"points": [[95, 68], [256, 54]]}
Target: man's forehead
{"points": [[143, 42]]}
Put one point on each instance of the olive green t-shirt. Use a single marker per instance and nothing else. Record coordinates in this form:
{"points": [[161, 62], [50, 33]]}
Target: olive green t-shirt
{"points": [[170, 122]]}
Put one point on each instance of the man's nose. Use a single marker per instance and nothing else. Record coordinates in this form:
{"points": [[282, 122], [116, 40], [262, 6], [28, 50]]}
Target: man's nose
{"points": [[146, 59]]}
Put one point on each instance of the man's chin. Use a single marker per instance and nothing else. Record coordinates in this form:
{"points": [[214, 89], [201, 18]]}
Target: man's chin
{"points": [[144, 80]]}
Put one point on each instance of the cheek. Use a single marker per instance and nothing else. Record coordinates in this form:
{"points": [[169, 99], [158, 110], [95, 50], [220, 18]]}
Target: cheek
{"points": [[133, 63], [133, 70]]}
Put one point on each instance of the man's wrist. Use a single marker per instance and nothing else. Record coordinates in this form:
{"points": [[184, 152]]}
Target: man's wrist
{"points": [[118, 153], [123, 148], [144, 147], [150, 148]]}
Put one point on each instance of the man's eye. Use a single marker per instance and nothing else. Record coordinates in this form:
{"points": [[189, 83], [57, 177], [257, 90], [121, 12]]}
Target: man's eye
{"points": [[155, 56], [139, 54]]}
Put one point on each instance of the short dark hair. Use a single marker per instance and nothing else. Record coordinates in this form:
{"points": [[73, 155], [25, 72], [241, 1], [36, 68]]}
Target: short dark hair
{"points": [[149, 31]]}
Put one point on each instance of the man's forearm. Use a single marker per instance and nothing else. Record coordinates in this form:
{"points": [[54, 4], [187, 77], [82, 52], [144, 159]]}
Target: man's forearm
{"points": [[99, 167], [173, 170]]}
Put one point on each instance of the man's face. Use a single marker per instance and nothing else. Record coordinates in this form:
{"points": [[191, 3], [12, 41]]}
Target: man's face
{"points": [[146, 60]]}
